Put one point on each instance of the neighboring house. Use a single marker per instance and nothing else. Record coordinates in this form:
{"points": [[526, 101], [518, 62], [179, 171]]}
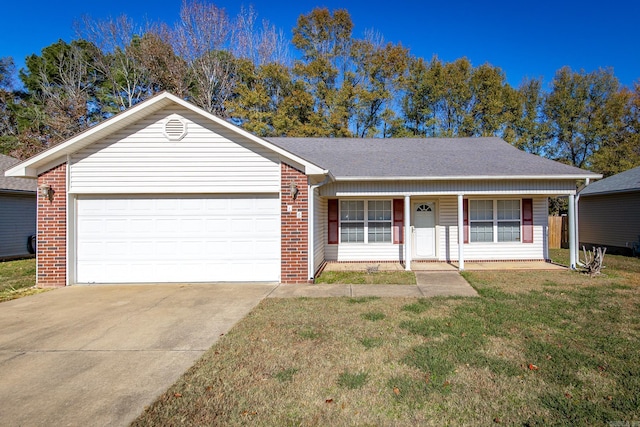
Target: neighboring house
{"points": [[17, 212], [166, 192], [609, 213]]}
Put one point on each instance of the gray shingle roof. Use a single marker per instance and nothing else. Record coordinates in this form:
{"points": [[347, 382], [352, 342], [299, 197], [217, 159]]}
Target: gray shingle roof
{"points": [[12, 183], [423, 158], [623, 182]]}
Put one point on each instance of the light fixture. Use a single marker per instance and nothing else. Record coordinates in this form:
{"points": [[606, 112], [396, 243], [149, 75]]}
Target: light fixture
{"points": [[45, 191], [293, 188]]}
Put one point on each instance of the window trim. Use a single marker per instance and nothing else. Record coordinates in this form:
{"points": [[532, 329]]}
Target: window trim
{"points": [[495, 221], [366, 222]]}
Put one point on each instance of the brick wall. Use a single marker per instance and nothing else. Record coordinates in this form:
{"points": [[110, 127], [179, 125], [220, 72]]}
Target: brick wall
{"points": [[52, 229], [294, 230]]}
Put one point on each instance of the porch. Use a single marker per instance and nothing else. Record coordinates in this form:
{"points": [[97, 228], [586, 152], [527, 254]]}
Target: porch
{"points": [[442, 266]]}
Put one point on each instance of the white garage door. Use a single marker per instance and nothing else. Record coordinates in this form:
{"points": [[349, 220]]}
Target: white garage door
{"points": [[177, 239]]}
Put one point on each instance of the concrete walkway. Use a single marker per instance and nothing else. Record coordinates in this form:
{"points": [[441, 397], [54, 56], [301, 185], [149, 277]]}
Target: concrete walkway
{"points": [[97, 355], [429, 284]]}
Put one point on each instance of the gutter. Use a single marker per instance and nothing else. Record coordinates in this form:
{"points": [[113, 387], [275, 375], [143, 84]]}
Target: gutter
{"points": [[466, 177]]}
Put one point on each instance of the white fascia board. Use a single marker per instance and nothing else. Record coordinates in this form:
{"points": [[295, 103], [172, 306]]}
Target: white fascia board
{"points": [[32, 166], [467, 178]]}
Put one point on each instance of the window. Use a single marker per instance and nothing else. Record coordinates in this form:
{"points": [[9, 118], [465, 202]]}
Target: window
{"points": [[503, 226], [352, 221], [481, 220], [379, 221], [365, 221], [508, 220]]}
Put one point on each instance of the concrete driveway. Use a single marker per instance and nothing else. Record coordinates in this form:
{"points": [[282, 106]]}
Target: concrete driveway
{"points": [[97, 355]]}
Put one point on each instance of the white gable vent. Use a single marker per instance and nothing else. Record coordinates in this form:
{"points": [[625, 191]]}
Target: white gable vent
{"points": [[175, 128]]}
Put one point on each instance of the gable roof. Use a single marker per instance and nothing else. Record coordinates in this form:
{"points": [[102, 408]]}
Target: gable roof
{"points": [[14, 184], [626, 181], [57, 154], [426, 159]]}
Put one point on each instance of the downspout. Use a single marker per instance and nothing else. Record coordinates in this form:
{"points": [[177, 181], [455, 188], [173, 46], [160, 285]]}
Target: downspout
{"points": [[572, 232], [69, 251], [310, 228]]}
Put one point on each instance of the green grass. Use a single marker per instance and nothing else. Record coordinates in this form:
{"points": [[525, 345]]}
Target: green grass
{"points": [[364, 278], [18, 279], [550, 348], [286, 374], [373, 316], [352, 380]]}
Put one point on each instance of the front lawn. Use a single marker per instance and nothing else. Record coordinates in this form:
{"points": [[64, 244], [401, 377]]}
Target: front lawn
{"points": [[365, 278], [17, 279], [537, 348]]}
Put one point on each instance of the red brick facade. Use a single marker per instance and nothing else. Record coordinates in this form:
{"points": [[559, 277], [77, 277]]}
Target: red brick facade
{"points": [[52, 229], [294, 239], [52, 223]]}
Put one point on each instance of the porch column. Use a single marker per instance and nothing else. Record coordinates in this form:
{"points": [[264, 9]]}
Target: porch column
{"points": [[572, 231], [407, 233], [460, 232]]}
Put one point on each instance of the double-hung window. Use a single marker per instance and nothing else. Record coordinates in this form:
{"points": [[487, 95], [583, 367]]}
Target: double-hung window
{"points": [[494, 220], [365, 221], [508, 221], [352, 221]]}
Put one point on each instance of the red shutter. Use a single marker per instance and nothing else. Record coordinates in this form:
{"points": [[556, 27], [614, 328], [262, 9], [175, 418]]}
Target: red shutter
{"points": [[527, 220], [333, 221], [465, 214], [398, 221]]}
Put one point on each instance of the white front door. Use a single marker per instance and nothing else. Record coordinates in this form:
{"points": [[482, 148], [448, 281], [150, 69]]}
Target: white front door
{"points": [[424, 230]]}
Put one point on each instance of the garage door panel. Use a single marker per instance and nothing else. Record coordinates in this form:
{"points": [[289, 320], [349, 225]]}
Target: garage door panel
{"points": [[177, 239]]}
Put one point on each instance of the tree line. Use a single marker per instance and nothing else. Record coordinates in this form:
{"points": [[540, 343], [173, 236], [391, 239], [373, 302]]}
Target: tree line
{"points": [[333, 85]]}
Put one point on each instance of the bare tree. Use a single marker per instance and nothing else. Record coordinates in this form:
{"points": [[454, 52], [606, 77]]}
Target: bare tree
{"points": [[65, 99], [202, 39], [126, 78], [262, 45]]}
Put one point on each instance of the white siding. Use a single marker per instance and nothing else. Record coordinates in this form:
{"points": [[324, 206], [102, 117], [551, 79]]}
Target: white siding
{"points": [[447, 229], [447, 240], [140, 159], [417, 188], [610, 220], [362, 252], [448, 237], [17, 223], [319, 229]]}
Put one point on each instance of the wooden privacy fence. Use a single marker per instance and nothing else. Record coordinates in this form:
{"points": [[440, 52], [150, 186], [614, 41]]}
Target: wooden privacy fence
{"points": [[558, 232]]}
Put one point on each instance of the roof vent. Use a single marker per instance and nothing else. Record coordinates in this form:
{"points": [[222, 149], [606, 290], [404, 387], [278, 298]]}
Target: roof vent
{"points": [[175, 129]]}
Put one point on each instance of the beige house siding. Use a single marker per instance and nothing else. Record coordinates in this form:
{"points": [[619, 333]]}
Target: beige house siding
{"points": [[609, 220]]}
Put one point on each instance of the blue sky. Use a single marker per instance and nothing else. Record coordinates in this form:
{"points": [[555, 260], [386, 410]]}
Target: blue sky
{"points": [[525, 39]]}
